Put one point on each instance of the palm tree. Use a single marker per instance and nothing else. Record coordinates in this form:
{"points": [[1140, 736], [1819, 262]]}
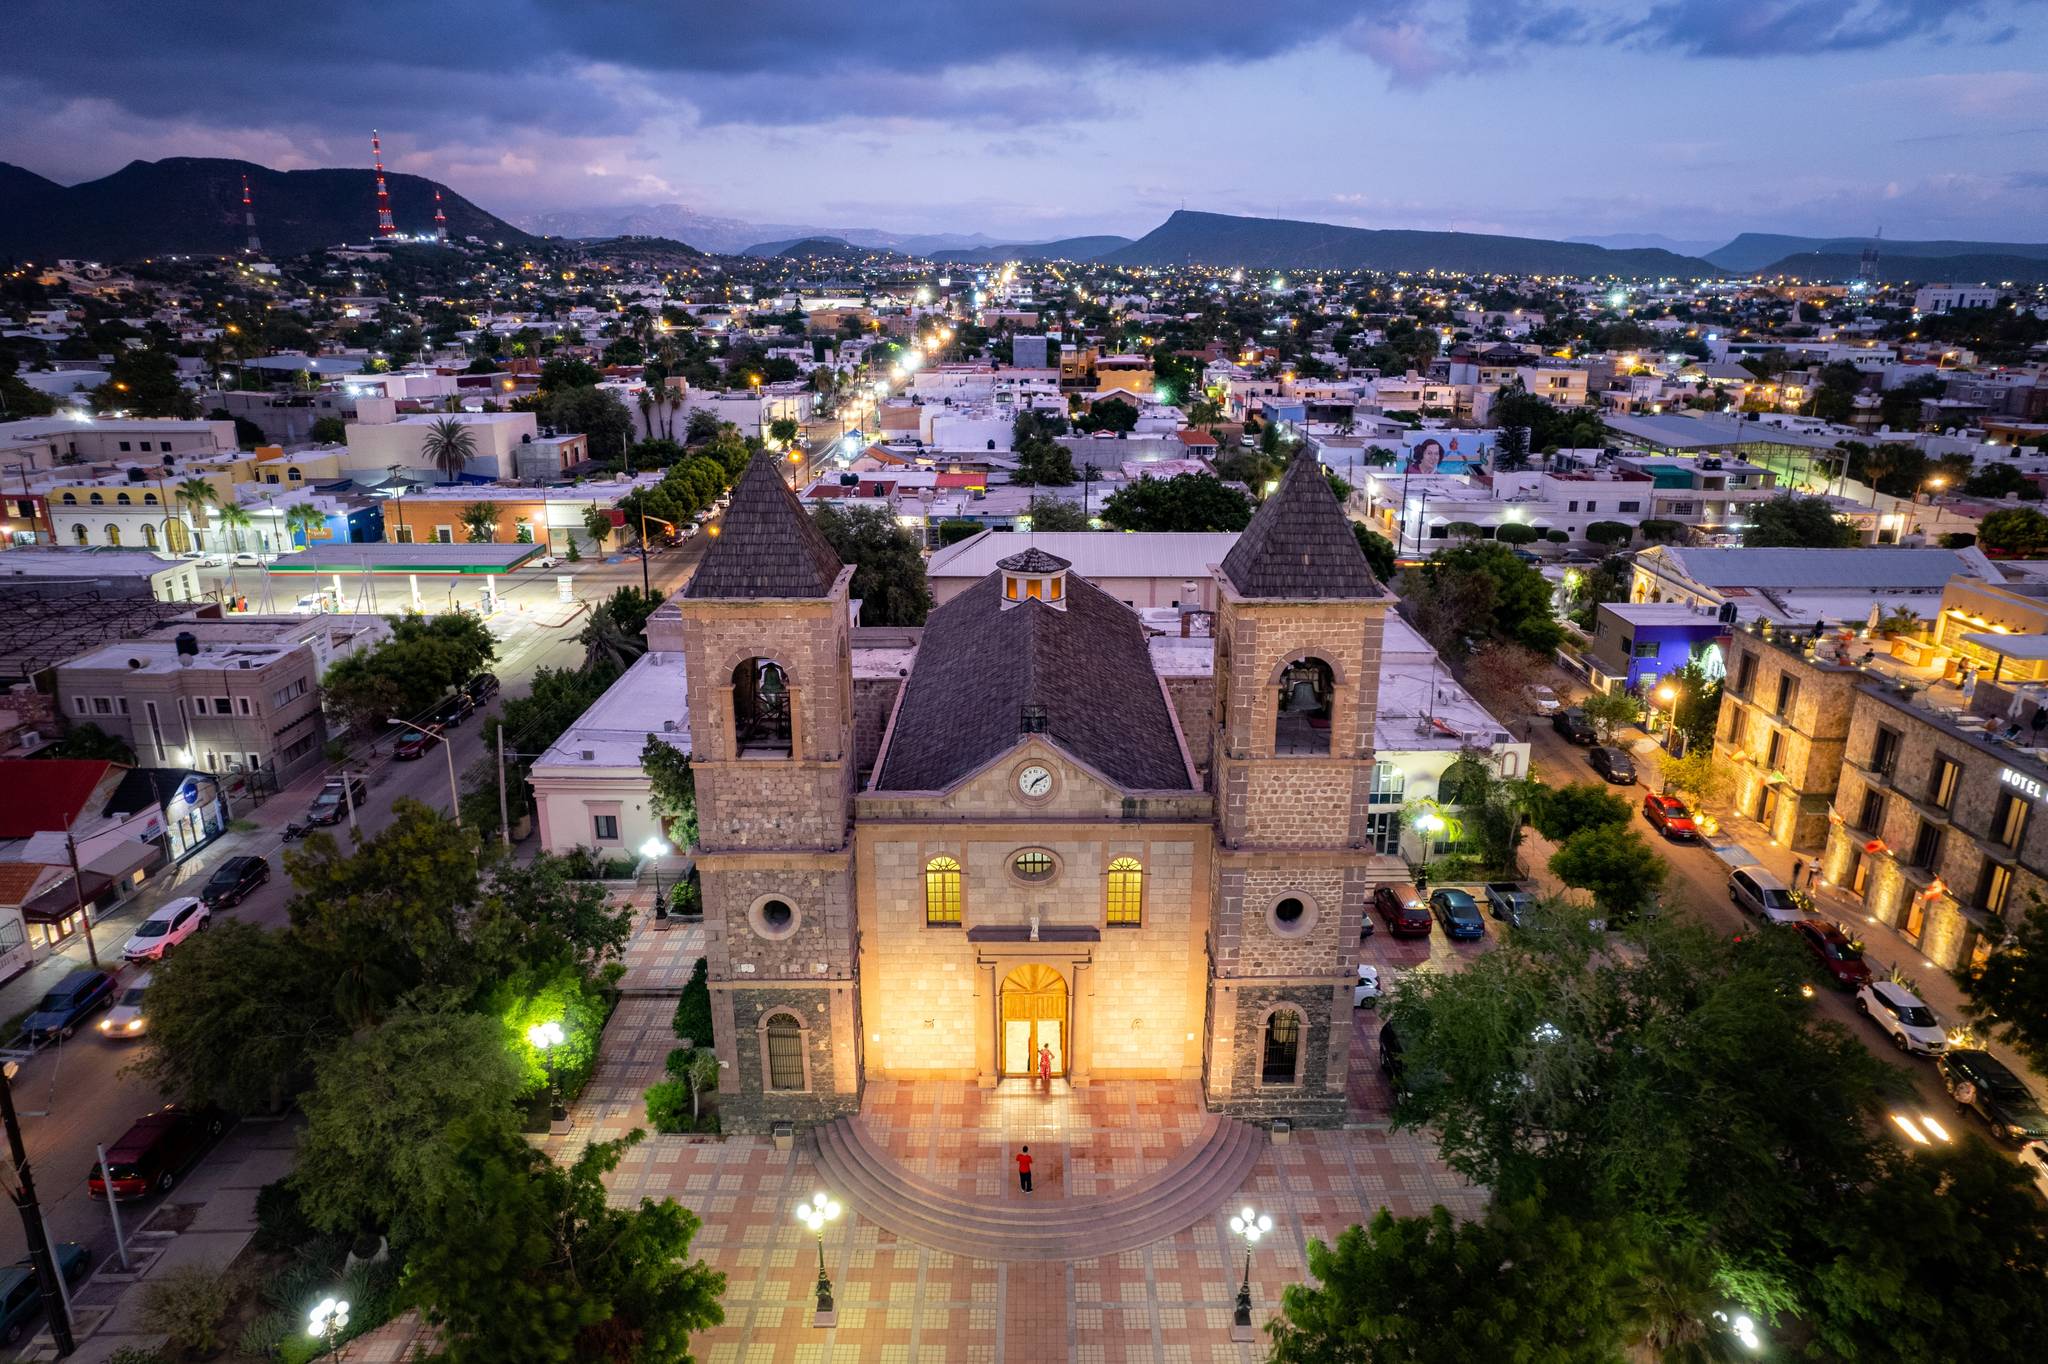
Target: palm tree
{"points": [[607, 643], [646, 401], [197, 494], [303, 518], [232, 516], [449, 446], [482, 520]]}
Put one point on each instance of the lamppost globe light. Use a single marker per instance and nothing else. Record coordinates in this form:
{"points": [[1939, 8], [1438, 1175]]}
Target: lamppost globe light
{"points": [[545, 1035], [654, 847]]}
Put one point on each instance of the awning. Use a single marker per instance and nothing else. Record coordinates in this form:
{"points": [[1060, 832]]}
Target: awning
{"points": [[96, 877]]}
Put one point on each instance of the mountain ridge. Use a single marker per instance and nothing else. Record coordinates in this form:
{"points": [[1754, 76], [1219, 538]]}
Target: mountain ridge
{"points": [[1750, 252]]}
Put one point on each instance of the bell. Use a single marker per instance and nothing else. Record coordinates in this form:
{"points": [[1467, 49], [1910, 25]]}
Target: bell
{"points": [[1302, 697], [772, 685]]}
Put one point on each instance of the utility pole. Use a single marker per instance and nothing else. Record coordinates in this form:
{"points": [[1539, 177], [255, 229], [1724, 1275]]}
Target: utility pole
{"points": [[504, 815], [78, 897], [55, 1300]]}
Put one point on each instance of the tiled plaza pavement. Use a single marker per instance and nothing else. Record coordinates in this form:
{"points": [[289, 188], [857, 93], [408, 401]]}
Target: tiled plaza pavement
{"points": [[901, 1303]]}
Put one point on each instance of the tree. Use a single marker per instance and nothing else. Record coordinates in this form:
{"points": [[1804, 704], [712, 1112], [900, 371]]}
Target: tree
{"points": [[610, 645], [1661, 532], [1561, 811], [888, 568], [481, 521], [1500, 674], [597, 524], [197, 494], [1045, 462], [567, 373], [1835, 398], [1520, 606], [90, 741], [1696, 708], [593, 412], [2008, 993], [1378, 550], [17, 397], [782, 430], [1610, 711], [1054, 514], [1521, 1283], [145, 383], [522, 1261], [536, 917], [1998, 479], [2016, 532], [1185, 502], [409, 672], [1609, 533], [449, 446], [1684, 1084], [371, 1155], [239, 1015], [1942, 1257], [301, 519], [1700, 775], [1615, 866], [673, 788], [1797, 521], [328, 431], [1516, 533], [1449, 608]]}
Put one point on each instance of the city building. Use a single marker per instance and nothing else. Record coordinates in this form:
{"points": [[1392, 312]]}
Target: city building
{"points": [[1799, 587], [1635, 643], [1948, 298], [1784, 720], [1037, 858]]}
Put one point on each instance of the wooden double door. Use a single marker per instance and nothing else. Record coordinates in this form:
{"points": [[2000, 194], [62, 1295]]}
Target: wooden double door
{"points": [[1034, 1015]]}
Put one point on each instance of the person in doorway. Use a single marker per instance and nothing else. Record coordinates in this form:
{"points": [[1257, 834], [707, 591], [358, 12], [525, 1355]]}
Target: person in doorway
{"points": [[1024, 1169], [1045, 1066]]}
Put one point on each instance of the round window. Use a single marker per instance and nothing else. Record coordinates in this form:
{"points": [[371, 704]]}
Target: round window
{"points": [[773, 917], [1034, 866], [1289, 911], [1291, 915]]}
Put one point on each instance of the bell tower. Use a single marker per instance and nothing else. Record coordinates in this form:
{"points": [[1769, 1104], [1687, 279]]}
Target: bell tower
{"points": [[1298, 629], [766, 631]]}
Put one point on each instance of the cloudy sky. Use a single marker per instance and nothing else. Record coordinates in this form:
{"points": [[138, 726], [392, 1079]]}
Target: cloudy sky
{"points": [[1037, 118]]}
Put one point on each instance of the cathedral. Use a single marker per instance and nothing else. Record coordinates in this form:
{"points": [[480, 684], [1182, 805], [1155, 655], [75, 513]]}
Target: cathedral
{"points": [[1037, 835]]}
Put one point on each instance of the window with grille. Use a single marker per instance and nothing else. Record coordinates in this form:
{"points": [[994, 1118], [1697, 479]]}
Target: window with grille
{"points": [[1283, 1047], [785, 1053], [1126, 891], [942, 891]]}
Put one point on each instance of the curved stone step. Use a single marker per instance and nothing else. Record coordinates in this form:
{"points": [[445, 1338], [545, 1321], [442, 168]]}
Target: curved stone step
{"points": [[1204, 1178]]}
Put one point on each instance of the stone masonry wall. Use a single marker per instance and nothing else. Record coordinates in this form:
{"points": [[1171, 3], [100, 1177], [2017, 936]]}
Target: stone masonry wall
{"points": [[1193, 701], [744, 1104], [873, 700], [1315, 1102], [1249, 943]]}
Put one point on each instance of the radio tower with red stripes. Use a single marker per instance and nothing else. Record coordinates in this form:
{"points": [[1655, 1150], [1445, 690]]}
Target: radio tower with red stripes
{"points": [[440, 219], [249, 218], [385, 227]]}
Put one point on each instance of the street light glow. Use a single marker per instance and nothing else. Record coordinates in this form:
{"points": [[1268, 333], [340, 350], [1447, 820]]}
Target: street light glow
{"points": [[545, 1035]]}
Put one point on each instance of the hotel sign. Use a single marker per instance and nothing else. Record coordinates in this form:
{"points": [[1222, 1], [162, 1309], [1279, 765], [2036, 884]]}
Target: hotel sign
{"points": [[2027, 786]]}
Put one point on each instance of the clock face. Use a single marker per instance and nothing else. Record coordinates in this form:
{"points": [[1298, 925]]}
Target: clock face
{"points": [[1035, 781]]}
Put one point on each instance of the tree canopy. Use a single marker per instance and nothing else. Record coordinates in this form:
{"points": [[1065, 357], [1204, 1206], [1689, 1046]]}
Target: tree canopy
{"points": [[1797, 521], [1185, 502], [888, 566], [2019, 532]]}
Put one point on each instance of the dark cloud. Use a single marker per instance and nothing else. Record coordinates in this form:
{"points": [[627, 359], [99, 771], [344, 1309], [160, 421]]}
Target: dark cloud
{"points": [[1793, 28]]}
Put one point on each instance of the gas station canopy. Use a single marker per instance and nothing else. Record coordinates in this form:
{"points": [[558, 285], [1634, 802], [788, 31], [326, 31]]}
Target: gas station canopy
{"points": [[410, 559]]}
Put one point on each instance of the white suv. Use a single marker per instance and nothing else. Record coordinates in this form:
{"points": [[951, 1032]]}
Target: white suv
{"points": [[1898, 1011], [160, 932]]}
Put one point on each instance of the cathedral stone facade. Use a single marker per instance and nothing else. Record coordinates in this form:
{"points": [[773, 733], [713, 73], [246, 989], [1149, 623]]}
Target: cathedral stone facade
{"points": [[1012, 852]]}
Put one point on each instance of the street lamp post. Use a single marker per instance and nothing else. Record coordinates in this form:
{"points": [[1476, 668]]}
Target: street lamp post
{"points": [[1251, 1226], [646, 587], [545, 1039], [815, 1215], [654, 849], [328, 1320], [447, 750], [1669, 696]]}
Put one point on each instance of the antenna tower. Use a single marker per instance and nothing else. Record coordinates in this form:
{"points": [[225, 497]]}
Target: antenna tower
{"points": [[249, 217], [385, 227], [440, 219]]}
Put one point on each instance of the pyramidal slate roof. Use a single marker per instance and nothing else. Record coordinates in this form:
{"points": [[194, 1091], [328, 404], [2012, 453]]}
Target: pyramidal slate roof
{"points": [[767, 544], [1084, 676], [1034, 560], [1300, 544]]}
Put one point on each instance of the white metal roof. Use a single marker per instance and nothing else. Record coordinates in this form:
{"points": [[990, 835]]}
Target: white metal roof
{"points": [[1093, 554]]}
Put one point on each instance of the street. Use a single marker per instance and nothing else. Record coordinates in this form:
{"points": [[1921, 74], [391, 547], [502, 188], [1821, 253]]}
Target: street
{"points": [[79, 1093]]}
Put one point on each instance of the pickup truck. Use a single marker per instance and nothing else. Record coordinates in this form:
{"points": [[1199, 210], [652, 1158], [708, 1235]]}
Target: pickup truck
{"points": [[1506, 900]]}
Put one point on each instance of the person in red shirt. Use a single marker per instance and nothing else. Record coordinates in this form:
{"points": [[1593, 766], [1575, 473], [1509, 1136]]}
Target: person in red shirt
{"points": [[1024, 1169]]}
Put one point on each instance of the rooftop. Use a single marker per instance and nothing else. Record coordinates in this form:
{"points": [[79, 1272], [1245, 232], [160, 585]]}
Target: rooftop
{"points": [[1677, 431], [400, 558], [1299, 545], [54, 562], [649, 698], [1097, 555], [1873, 568], [161, 656]]}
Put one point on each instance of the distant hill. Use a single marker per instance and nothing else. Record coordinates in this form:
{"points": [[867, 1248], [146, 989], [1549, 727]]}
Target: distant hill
{"points": [[727, 236], [654, 250], [1066, 248], [194, 204], [1657, 241], [1752, 251], [1282, 244], [823, 248], [1980, 268]]}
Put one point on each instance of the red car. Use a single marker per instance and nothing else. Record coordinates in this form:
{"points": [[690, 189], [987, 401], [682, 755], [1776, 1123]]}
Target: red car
{"points": [[416, 743], [1669, 817], [151, 1155], [1402, 910], [1840, 958]]}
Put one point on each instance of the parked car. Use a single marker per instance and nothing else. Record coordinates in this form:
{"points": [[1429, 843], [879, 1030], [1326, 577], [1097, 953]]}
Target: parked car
{"points": [[1614, 765], [153, 1154], [246, 558], [1458, 913], [1980, 1084], [2034, 1160], [331, 805], [127, 1018], [481, 688], [58, 1013], [232, 881], [416, 743], [1669, 817], [1508, 902], [1576, 728], [453, 710], [1911, 1024], [1366, 992], [1840, 958], [1543, 700], [1401, 911], [170, 925], [1391, 1064], [1759, 892], [21, 1297]]}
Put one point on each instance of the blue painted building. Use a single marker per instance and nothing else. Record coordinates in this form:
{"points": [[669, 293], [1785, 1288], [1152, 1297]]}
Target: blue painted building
{"points": [[1635, 643]]}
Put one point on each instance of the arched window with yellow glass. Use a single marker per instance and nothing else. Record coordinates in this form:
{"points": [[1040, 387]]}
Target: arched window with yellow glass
{"points": [[942, 891], [1126, 892]]}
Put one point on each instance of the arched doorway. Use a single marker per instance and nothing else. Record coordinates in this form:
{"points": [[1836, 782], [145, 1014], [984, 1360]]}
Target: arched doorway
{"points": [[175, 536], [1034, 1015]]}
